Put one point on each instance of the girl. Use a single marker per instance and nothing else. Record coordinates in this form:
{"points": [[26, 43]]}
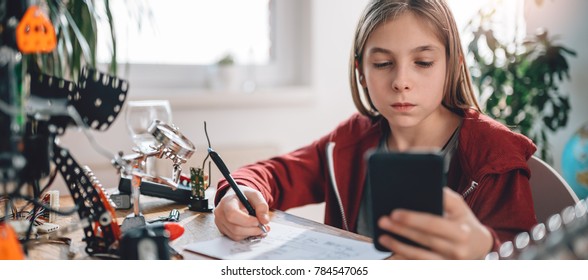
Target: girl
{"points": [[412, 89]]}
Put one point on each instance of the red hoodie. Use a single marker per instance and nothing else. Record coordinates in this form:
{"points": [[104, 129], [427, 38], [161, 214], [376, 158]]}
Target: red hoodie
{"points": [[489, 169]]}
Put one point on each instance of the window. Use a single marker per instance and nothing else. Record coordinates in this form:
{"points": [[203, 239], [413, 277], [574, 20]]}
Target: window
{"points": [[195, 32], [180, 41], [510, 22]]}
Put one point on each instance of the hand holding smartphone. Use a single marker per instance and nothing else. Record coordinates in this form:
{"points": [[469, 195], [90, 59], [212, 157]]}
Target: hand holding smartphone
{"points": [[408, 180]]}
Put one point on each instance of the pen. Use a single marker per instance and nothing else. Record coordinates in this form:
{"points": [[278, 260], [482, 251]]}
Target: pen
{"points": [[225, 171]]}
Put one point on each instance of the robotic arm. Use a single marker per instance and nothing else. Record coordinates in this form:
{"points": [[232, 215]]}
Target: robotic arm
{"points": [[30, 127]]}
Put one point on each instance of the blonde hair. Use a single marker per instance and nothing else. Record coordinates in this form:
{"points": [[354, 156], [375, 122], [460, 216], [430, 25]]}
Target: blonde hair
{"points": [[458, 92]]}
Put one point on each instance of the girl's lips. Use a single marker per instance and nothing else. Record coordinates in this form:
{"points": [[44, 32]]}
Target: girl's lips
{"points": [[402, 107]]}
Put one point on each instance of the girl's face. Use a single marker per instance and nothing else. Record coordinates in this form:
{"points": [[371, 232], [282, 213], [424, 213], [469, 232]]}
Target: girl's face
{"points": [[404, 70]]}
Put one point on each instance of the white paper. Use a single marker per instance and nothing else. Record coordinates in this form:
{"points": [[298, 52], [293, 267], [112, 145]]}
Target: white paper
{"points": [[286, 242]]}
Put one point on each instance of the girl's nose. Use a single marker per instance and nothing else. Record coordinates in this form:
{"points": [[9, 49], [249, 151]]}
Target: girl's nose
{"points": [[400, 82]]}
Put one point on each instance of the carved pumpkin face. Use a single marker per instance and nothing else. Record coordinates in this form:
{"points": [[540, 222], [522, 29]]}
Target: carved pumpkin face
{"points": [[35, 33]]}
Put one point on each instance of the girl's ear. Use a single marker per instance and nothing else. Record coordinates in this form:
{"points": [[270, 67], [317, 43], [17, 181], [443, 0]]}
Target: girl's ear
{"points": [[362, 81], [361, 77]]}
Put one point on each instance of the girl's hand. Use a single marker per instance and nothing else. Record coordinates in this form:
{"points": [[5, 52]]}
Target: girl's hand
{"points": [[456, 235], [233, 220]]}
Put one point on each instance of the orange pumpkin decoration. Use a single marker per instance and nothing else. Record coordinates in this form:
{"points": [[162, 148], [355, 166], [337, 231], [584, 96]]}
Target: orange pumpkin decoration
{"points": [[10, 248], [35, 33]]}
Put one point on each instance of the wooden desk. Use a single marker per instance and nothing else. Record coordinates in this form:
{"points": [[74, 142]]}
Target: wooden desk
{"points": [[198, 227]]}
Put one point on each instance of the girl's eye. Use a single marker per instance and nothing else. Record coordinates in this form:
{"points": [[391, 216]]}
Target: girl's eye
{"points": [[425, 64], [382, 64]]}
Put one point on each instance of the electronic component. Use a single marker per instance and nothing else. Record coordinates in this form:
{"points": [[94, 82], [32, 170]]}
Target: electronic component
{"points": [[47, 228], [121, 200], [51, 198], [199, 184], [181, 194], [174, 216], [54, 204]]}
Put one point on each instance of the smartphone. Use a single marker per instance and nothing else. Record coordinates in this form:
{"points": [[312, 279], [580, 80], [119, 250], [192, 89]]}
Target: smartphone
{"points": [[408, 180]]}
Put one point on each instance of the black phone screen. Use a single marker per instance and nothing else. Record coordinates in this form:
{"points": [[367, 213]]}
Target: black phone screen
{"points": [[409, 180]]}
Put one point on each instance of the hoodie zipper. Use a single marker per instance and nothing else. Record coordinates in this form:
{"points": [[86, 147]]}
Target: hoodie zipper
{"points": [[472, 187], [331, 166]]}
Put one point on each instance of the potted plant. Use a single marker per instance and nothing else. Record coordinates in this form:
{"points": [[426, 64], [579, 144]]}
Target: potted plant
{"points": [[519, 82], [76, 24], [225, 75]]}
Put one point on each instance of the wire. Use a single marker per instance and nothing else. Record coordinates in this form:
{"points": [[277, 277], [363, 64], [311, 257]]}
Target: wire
{"points": [[16, 193], [71, 211], [207, 154], [52, 177], [6, 202], [209, 174], [32, 222], [206, 133], [9, 110], [79, 122], [115, 159]]}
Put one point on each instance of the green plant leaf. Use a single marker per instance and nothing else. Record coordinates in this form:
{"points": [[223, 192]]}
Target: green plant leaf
{"points": [[67, 43], [81, 40], [532, 74], [113, 60]]}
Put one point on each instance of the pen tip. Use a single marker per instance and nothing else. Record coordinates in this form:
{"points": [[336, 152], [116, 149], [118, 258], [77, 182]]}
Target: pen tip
{"points": [[210, 150]]}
